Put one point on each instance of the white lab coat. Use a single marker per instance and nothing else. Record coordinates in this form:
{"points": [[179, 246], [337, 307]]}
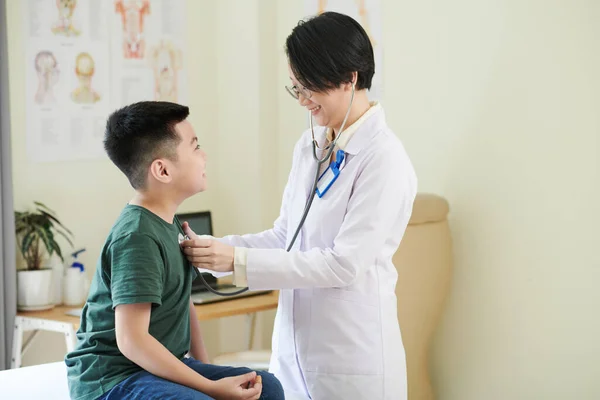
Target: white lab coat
{"points": [[336, 333]]}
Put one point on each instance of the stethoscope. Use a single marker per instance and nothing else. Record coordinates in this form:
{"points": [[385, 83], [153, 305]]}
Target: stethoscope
{"points": [[328, 151]]}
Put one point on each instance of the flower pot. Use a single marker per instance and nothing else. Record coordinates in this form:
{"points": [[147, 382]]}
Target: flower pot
{"points": [[34, 290], [56, 265]]}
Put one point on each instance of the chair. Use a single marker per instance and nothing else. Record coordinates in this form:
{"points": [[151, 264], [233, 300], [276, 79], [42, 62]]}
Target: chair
{"points": [[257, 360], [424, 264]]}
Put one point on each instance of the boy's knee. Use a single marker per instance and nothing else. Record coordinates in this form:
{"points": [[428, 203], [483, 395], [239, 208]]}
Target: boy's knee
{"points": [[272, 389]]}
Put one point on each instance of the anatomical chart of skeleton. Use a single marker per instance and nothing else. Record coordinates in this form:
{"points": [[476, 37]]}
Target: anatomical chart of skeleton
{"points": [[368, 14], [68, 78], [148, 38]]}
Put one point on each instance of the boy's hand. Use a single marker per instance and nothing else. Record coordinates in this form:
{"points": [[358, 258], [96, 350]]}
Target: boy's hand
{"points": [[242, 387]]}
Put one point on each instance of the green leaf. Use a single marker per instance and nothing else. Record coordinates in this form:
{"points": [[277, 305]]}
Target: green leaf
{"points": [[64, 235], [40, 219], [20, 227], [27, 241], [56, 220], [40, 225], [22, 219], [43, 206], [56, 248], [46, 238]]}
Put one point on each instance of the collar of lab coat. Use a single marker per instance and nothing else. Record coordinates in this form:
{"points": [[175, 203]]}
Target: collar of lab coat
{"points": [[356, 136]]}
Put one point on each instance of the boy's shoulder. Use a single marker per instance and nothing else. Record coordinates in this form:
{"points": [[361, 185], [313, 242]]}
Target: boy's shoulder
{"points": [[138, 222]]}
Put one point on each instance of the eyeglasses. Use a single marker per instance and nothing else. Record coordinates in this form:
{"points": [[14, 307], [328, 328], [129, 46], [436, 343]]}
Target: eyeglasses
{"points": [[295, 92]]}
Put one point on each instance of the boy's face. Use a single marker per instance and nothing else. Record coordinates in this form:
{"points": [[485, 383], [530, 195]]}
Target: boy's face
{"points": [[189, 174]]}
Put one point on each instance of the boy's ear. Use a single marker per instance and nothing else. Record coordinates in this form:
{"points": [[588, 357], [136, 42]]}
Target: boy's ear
{"points": [[159, 170]]}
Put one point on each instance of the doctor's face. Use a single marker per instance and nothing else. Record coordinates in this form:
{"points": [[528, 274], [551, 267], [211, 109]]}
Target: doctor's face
{"points": [[190, 167], [327, 108]]}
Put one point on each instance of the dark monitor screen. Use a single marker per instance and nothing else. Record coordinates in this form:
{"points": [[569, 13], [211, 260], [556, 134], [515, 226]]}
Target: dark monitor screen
{"points": [[200, 222]]}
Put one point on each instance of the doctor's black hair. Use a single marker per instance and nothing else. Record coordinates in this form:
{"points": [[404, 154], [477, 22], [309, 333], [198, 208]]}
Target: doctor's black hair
{"points": [[139, 133], [325, 50]]}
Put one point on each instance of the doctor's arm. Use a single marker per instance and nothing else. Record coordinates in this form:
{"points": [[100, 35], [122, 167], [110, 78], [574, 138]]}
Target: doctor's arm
{"points": [[383, 194], [231, 250], [274, 238]]}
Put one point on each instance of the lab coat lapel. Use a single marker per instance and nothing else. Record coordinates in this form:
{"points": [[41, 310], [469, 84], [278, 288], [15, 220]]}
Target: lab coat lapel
{"points": [[366, 132], [307, 167]]}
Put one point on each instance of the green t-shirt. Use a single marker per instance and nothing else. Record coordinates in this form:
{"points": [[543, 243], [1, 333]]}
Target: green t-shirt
{"points": [[141, 262]]}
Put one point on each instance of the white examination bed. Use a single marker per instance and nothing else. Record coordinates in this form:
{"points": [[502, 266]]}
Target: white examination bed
{"points": [[45, 381]]}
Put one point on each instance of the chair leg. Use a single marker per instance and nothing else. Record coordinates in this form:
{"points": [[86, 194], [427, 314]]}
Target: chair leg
{"points": [[251, 322]]}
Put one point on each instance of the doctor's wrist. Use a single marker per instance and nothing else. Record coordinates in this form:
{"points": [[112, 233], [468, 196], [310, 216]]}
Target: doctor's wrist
{"points": [[240, 256]]}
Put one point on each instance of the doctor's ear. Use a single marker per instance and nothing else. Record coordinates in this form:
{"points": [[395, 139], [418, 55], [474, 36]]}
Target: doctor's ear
{"points": [[159, 170], [353, 80]]}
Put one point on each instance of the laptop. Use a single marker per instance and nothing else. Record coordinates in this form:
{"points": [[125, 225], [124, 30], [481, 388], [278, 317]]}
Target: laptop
{"points": [[201, 224]]}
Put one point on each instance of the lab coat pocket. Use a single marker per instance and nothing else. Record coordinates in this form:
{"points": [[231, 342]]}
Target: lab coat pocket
{"points": [[351, 295], [345, 334]]}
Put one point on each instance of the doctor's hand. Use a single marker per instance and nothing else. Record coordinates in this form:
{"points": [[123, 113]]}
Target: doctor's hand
{"points": [[188, 231], [242, 387], [207, 253]]}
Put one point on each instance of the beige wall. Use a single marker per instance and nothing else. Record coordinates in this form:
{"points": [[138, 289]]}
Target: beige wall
{"points": [[497, 102], [511, 85]]}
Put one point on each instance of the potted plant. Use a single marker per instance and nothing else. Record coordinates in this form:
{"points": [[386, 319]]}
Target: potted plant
{"points": [[36, 233]]}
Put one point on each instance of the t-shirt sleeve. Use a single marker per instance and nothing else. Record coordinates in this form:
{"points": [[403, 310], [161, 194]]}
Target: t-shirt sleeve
{"points": [[137, 270]]}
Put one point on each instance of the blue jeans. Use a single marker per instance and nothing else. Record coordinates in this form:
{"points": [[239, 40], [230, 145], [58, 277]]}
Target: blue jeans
{"points": [[144, 385]]}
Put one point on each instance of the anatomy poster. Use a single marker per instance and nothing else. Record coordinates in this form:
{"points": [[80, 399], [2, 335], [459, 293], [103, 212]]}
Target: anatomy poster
{"points": [[148, 42], [67, 78], [85, 58], [368, 14]]}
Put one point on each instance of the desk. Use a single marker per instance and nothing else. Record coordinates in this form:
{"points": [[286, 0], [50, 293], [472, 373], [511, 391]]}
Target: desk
{"points": [[220, 309], [56, 320]]}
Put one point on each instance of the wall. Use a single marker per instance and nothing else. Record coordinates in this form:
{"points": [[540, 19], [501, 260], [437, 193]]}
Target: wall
{"points": [[243, 183], [497, 105], [500, 103]]}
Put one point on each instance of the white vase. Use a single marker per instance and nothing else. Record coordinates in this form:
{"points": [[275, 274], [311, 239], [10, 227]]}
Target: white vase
{"points": [[34, 290]]}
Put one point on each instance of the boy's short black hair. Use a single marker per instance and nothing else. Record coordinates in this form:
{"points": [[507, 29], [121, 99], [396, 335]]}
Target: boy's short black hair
{"points": [[139, 133], [324, 51]]}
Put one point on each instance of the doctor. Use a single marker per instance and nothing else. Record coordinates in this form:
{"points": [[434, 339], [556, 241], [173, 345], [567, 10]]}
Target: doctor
{"points": [[336, 331]]}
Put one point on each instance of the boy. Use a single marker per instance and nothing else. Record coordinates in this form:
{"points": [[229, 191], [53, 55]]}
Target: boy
{"points": [[139, 323]]}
